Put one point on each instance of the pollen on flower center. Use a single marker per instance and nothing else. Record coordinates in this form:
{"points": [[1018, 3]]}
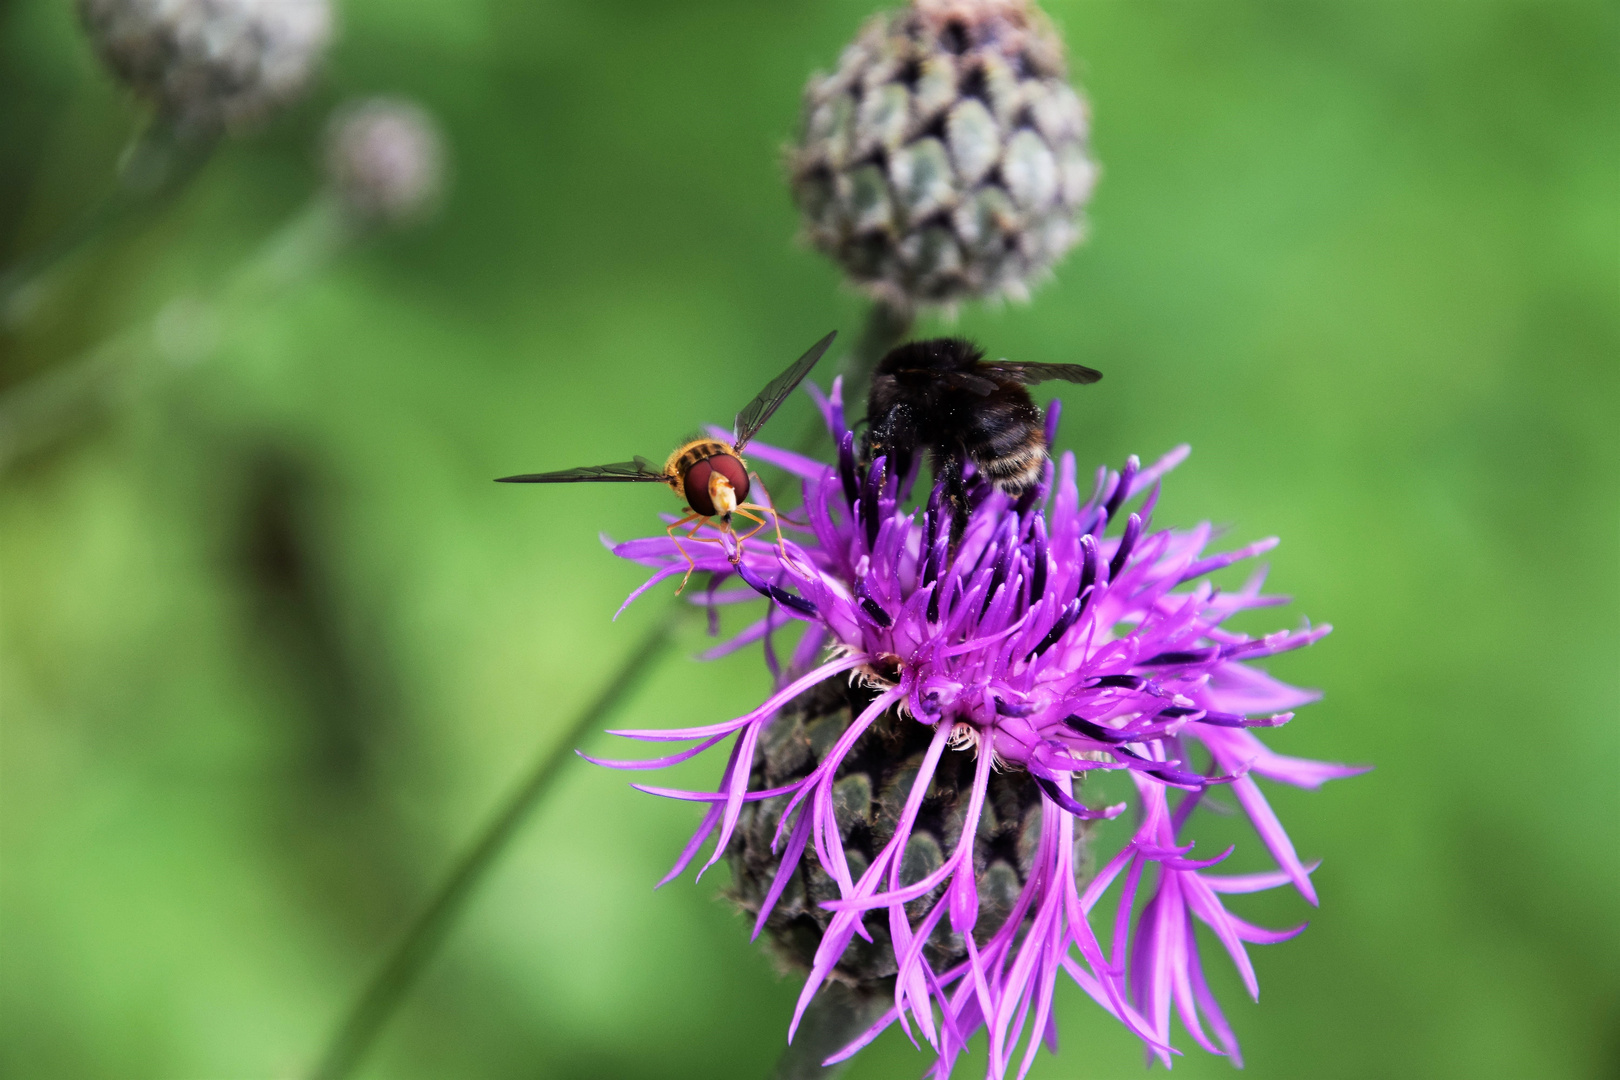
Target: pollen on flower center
{"points": [[880, 672]]}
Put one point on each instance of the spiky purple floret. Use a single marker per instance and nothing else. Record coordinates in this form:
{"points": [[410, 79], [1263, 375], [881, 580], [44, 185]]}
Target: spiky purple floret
{"points": [[1046, 646]]}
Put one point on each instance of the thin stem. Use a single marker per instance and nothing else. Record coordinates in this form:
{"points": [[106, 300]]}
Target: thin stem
{"points": [[308, 241], [57, 402], [404, 965], [66, 397], [885, 326], [156, 165], [835, 1017]]}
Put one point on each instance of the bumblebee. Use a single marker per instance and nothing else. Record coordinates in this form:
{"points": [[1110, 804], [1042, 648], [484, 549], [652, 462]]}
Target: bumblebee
{"points": [[942, 396]]}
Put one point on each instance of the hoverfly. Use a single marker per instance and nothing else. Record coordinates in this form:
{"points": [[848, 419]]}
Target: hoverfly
{"points": [[942, 396], [709, 474]]}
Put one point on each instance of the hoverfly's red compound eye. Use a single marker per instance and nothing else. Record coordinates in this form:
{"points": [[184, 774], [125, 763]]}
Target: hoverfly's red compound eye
{"points": [[695, 484], [733, 470]]}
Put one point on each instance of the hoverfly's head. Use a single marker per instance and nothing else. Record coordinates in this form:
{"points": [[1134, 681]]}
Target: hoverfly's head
{"points": [[716, 485]]}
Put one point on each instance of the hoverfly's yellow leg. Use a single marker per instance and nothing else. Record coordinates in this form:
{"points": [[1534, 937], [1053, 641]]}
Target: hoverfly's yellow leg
{"points": [[750, 534], [670, 532], [743, 511], [724, 527], [776, 519], [693, 536]]}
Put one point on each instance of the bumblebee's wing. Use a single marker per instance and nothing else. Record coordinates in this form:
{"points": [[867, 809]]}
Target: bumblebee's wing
{"points": [[962, 380], [756, 412], [956, 380], [1030, 374], [625, 472]]}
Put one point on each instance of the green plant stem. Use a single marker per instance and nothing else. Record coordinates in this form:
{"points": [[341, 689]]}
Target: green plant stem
{"points": [[404, 964], [836, 1016], [57, 402], [156, 165], [66, 397], [885, 327]]}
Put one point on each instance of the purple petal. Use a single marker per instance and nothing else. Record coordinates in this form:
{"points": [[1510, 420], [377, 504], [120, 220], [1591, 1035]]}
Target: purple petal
{"points": [[710, 817], [712, 796], [784, 870], [655, 763], [1272, 834], [668, 571], [1218, 562], [771, 705], [788, 461], [747, 637], [1248, 883], [1152, 474]]}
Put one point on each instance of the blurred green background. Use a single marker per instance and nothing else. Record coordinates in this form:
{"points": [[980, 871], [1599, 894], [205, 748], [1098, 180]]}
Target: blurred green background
{"points": [[273, 644]]}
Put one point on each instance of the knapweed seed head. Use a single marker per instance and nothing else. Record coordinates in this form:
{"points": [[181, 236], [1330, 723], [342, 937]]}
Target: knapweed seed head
{"points": [[211, 65], [909, 811], [948, 157], [384, 161], [869, 791]]}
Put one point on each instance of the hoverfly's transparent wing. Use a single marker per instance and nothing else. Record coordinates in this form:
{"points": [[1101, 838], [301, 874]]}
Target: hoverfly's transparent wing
{"points": [[756, 412], [625, 472], [1030, 374]]}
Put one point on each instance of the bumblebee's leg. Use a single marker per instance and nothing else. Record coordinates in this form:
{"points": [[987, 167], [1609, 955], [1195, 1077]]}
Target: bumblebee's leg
{"points": [[893, 435], [879, 434], [948, 469], [670, 532], [901, 451]]}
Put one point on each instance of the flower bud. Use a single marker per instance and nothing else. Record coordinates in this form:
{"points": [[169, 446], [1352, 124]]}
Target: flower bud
{"points": [[384, 160], [947, 158], [208, 65], [869, 792]]}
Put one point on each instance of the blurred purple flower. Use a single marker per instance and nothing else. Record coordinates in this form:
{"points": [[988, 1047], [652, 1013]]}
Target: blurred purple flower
{"points": [[1040, 645]]}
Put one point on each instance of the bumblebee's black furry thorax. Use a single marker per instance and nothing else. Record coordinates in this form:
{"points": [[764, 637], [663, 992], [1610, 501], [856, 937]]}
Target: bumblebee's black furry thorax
{"points": [[937, 396]]}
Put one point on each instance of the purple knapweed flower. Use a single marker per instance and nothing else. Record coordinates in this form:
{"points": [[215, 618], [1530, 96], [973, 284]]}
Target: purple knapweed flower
{"points": [[1039, 650]]}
